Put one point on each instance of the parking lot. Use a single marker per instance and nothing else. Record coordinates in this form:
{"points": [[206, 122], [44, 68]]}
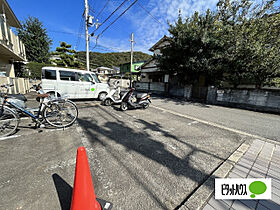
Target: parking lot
{"points": [[139, 159]]}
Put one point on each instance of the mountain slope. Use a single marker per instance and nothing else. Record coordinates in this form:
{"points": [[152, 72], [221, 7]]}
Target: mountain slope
{"points": [[111, 59]]}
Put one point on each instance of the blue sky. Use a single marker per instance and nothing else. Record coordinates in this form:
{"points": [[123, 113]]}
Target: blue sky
{"points": [[62, 18]]}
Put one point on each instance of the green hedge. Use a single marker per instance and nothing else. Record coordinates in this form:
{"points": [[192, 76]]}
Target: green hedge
{"points": [[35, 69]]}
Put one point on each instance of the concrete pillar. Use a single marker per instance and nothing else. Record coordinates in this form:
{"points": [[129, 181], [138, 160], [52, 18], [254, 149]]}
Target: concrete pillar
{"points": [[211, 95]]}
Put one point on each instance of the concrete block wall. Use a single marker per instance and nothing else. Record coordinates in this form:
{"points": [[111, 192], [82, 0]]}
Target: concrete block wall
{"points": [[157, 86], [153, 87], [162, 88], [21, 85], [261, 100], [185, 92], [142, 85]]}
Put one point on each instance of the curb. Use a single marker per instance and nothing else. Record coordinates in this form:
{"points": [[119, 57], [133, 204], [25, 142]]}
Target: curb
{"points": [[200, 197]]}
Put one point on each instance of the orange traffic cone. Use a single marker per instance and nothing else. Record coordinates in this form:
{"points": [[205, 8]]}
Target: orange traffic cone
{"points": [[83, 197]]}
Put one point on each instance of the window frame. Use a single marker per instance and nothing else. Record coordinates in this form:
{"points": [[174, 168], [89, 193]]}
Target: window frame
{"points": [[70, 72], [51, 70]]}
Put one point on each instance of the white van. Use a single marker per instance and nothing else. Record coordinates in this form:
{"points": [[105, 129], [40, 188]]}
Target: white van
{"points": [[73, 83]]}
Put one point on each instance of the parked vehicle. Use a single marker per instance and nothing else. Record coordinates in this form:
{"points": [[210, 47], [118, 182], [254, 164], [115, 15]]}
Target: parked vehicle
{"points": [[73, 83], [57, 112], [139, 100], [115, 95]]}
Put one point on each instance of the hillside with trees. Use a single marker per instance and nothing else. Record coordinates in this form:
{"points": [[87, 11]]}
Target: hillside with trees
{"points": [[111, 59]]}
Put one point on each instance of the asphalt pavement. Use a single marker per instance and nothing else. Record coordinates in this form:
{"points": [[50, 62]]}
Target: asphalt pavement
{"points": [[139, 159], [261, 124]]}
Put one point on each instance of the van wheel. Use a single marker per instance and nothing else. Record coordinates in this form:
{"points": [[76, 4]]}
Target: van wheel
{"points": [[102, 96]]}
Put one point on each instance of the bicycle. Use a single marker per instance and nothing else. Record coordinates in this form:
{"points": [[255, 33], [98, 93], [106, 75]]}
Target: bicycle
{"points": [[58, 112]]}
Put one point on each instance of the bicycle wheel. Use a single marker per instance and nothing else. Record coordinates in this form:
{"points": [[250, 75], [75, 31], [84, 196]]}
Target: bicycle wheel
{"points": [[60, 114], [8, 122]]}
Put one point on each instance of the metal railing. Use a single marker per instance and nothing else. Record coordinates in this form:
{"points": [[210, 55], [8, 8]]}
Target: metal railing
{"points": [[10, 40]]}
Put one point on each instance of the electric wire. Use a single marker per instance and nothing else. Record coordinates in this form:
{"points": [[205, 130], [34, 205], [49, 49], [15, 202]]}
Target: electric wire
{"points": [[149, 13], [100, 12], [63, 32], [118, 17], [91, 9], [80, 32], [109, 16]]}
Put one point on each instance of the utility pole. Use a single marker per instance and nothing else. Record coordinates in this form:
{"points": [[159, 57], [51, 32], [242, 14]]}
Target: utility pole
{"points": [[87, 36], [131, 59]]}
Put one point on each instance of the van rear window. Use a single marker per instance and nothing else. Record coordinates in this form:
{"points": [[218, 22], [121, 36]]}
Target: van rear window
{"points": [[49, 74], [67, 75]]}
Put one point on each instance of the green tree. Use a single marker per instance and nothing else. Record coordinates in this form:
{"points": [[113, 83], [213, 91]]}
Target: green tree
{"points": [[194, 49], [250, 37], [36, 41], [35, 69], [239, 42], [67, 56]]}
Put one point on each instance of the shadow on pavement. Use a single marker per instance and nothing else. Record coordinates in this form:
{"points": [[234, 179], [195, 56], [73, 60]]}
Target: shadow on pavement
{"points": [[180, 101], [64, 192], [143, 143]]}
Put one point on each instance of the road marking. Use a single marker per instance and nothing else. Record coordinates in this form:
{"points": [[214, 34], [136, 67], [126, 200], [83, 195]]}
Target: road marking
{"points": [[217, 125], [9, 137], [193, 122], [119, 116], [171, 146]]}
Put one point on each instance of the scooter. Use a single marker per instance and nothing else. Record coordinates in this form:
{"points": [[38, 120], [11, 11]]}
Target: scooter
{"points": [[140, 100], [115, 95]]}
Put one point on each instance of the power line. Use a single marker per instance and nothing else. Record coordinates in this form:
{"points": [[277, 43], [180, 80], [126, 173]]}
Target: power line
{"points": [[91, 9], [104, 47], [120, 28], [80, 32], [96, 40], [64, 32], [149, 13], [109, 16], [97, 16], [118, 17]]}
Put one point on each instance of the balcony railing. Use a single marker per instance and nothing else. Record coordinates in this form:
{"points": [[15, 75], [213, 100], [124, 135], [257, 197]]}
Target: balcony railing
{"points": [[10, 40]]}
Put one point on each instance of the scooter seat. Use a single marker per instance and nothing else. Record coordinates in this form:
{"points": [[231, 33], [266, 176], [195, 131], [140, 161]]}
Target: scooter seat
{"points": [[18, 96], [141, 95]]}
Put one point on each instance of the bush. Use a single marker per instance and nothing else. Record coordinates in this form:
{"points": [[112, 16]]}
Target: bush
{"points": [[35, 69]]}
